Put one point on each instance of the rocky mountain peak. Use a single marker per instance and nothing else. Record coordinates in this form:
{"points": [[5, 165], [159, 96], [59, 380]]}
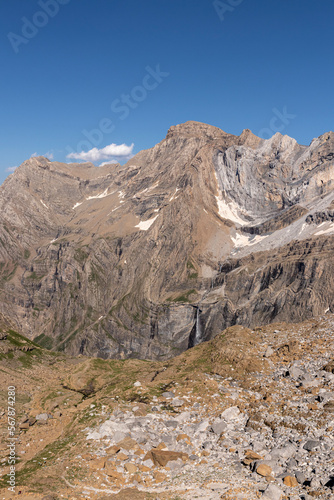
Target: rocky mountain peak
{"points": [[247, 138], [196, 129], [202, 231]]}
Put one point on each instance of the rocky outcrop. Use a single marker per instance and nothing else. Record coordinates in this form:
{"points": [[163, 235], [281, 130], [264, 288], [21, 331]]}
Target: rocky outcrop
{"points": [[320, 217], [203, 231]]}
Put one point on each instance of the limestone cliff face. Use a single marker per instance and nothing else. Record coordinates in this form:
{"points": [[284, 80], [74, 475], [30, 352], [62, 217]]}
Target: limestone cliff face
{"points": [[203, 231]]}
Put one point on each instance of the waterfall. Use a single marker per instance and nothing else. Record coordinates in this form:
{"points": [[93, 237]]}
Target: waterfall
{"points": [[198, 335]]}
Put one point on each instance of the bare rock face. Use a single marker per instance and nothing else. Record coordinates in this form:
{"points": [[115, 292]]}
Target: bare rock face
{"points": [[203, 231]]}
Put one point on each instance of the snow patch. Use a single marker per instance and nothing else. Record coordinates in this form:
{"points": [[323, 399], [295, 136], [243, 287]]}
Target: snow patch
{"points": [[77, 205], [101, 195], [113, 210], [44, 204], [173, 197], [145, 225], [241, 240], [329, 230], [121, 195], [229, 211], [98, 196]]}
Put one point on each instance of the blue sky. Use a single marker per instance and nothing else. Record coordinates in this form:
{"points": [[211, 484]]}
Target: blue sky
{"points": [[118, 73]]}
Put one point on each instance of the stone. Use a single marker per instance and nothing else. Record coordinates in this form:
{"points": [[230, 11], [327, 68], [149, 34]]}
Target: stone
{"points": [[168, 395], [162, 457], [283, 453], [171, 423], [269, 352], [144, 468], [159, 477], [201, 426], [311, 444], [329, 406], [272, 492], [42, 417], [219, 427], [113, 473], [252, 455], [112, 450], [127, 444], [183, 437], [329, 367], [264, 470], [324, 397], [290, 481], [230, 413], [97, 463], [295, 372], [161, 446], [177, 402], [300, 476], [131, 468]]}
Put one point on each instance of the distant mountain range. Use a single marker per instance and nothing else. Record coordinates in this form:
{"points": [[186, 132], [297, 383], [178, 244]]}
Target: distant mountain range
{"points": [[203, 231]]}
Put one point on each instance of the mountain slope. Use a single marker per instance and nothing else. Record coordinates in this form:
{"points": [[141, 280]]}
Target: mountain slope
{"points": [[182, 428], [203, 231]]}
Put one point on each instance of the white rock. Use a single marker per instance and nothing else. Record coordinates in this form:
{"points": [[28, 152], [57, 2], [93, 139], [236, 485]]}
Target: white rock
{"points": [[230, 413], [272, 492], [148, 463], [269, 352]]}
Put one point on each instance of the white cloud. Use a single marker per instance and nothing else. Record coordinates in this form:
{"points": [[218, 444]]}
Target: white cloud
{"points": [[11, 169], [34, 155], [107, 163], [106, 154]]}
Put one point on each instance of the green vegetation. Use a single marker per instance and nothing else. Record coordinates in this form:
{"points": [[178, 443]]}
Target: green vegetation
{"points": [[51, 451], [190, 265], [96, 274], [10, 274], [193, 274], [62, 345], [35, 277], [182, 298], [19, 340], [29, 358], [80, 255], [44, 341]]}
